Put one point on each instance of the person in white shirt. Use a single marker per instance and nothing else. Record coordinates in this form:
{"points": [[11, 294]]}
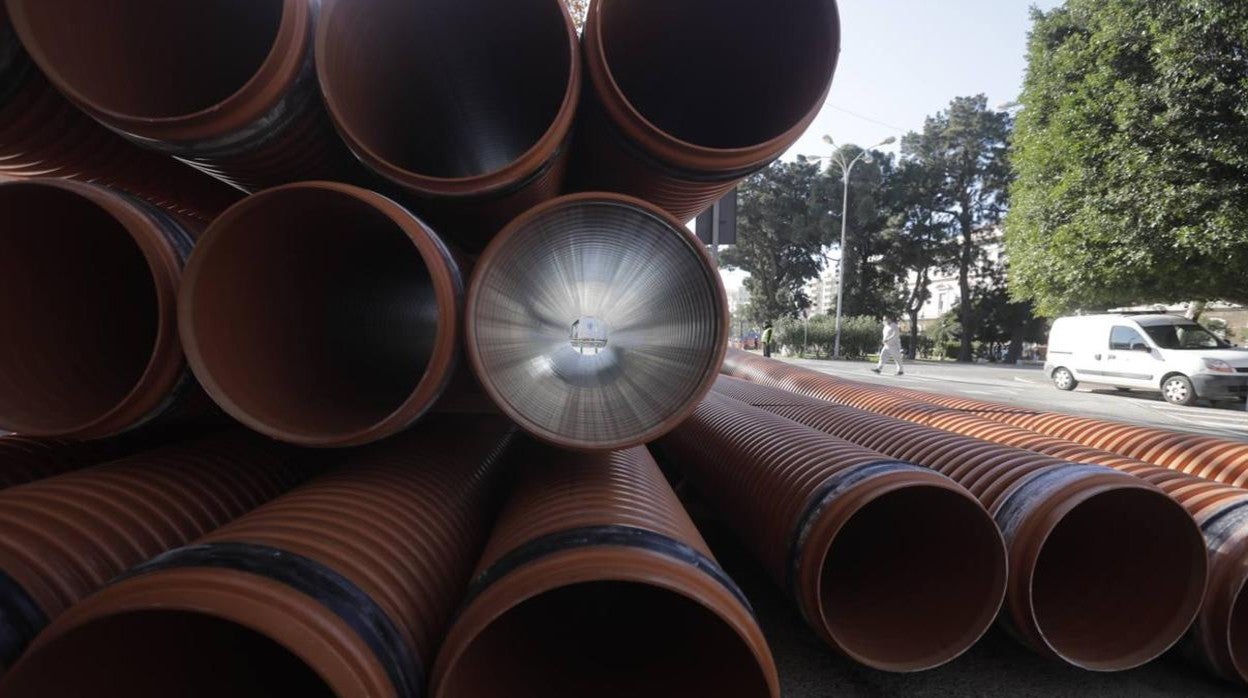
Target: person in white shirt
{"points": [[891, 347]]}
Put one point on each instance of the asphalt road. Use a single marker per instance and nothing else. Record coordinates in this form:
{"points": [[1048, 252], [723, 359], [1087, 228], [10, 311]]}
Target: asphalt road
{"points": [[1027, 386]]}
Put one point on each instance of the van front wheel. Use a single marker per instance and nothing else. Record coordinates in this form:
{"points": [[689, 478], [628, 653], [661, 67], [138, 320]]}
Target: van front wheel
{"points": [[1178, 390], [1064, 379]]}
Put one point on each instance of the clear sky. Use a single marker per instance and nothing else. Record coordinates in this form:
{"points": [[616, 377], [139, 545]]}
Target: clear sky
{"points": [[902, 60]]}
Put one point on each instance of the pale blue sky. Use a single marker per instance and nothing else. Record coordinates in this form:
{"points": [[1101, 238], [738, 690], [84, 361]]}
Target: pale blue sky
{"points": [[902, 60]]}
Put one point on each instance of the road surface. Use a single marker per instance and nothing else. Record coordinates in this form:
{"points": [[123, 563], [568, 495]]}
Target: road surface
{"points": [[1027, 386]]}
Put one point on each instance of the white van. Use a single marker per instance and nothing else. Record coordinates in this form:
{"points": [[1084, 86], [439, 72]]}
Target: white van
{"points": [[1151, 352]]}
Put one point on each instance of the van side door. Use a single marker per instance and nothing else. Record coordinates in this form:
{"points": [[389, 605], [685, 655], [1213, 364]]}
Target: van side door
{"points": [[1131, 360]]}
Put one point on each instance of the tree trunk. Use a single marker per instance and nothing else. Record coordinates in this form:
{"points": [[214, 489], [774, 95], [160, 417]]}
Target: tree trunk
{"points": [[913, 306], [966, 310], [1194, 310], [1016, 343]]}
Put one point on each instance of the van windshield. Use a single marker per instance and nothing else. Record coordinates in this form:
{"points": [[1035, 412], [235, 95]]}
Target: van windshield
{"points": [[1185, 336]]}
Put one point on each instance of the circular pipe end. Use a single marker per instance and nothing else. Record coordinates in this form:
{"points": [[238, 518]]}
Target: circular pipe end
{"points": [[90, 343], [321, 314], [177, 70], [904, 576], [501, 117], [1119, 579], [604, 623], [596, 322], [198, 633]]}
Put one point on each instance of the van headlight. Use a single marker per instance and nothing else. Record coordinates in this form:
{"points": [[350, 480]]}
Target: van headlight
{"points": [[1217, 366]]}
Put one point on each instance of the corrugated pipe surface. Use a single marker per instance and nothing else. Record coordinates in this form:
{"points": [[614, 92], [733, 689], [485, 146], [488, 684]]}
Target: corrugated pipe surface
{"points": [[1208, 457], [595, 582], [466, 106], [322, 314], [341, 587], [29, 458], [87, 311], [683, 99], [227, 86], [43, 135], [864, 543], [1106, 571], [64, 537], [596, 321], [1219, 638]]}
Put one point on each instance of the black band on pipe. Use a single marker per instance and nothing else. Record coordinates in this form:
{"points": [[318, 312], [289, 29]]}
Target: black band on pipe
{"points": [[313, 579], [1227, 527], [596, 536], [21, 619], [830, 490]]}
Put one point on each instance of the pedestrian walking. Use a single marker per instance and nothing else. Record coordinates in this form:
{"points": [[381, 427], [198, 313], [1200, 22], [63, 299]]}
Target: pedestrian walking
{"points": [[891, 347], [767, 334]]}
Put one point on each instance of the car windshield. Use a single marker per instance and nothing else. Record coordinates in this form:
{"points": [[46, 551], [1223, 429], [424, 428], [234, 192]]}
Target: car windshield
{"points": [[1188, 336]]}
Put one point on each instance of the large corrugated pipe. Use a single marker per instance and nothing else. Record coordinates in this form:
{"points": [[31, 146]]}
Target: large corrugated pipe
{"points": [[1219, 638], [88, 310], [684, 99], [342, 587], [322, 314], [43, 135], [1106, 571], [64, 537], [227, 86], [596, 321], [861, 541], [595, 582], [467, 106], [29, 458], [1209, 457]]}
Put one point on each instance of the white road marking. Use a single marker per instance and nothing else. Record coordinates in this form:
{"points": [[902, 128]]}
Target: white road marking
{"points": [[1029, 381]]}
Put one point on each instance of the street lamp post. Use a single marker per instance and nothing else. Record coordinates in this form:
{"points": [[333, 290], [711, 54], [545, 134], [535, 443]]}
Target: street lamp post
{"points": [[846, 170]]}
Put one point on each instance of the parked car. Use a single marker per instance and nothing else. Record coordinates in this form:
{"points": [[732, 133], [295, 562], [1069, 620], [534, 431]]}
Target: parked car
{"points": [[1172, 354]]}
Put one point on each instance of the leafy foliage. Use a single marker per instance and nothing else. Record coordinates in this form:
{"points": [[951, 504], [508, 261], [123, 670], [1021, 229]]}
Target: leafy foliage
{"points": [[860, 336], [781, 224], [1132, 155], [964, 150], [578, 8]]}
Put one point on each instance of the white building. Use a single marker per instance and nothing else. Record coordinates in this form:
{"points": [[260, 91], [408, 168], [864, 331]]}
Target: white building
{"points": [[821, 291], [943, 285]]}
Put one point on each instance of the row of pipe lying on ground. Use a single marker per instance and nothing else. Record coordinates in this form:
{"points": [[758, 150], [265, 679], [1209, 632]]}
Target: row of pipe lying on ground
{"points": [[1219, 637], [1105, 571], [323, 314], [862, 542], [465, 109], [43, 135], [594, 579]]}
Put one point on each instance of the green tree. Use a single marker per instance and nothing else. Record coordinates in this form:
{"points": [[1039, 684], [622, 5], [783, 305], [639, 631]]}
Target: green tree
{"points": [[781, 224], [923, 238], [1132, 155], [965, 149], [871, 271], [578, 8], [1001, 321]]}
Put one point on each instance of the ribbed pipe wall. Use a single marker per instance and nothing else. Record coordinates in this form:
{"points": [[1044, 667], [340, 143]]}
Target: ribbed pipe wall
{"points": [[848, 532], [1208, 457], [228, 86], [685, 99], [65, 537], [596, 321], [475, 141], [358, 332], [26, 459], [1106, 572], [595, 582], [43, 135], [342, 587], [88, 311]]}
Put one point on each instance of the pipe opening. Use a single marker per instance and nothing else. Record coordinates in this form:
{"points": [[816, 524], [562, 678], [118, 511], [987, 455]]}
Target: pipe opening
{"points": [[1119, 579], [913, 579], [1237, 632], [610, 640], [311, 314], [165, 653], [545, 297], [704, 71], [153, 59], [444, 88], [80, 310]]}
